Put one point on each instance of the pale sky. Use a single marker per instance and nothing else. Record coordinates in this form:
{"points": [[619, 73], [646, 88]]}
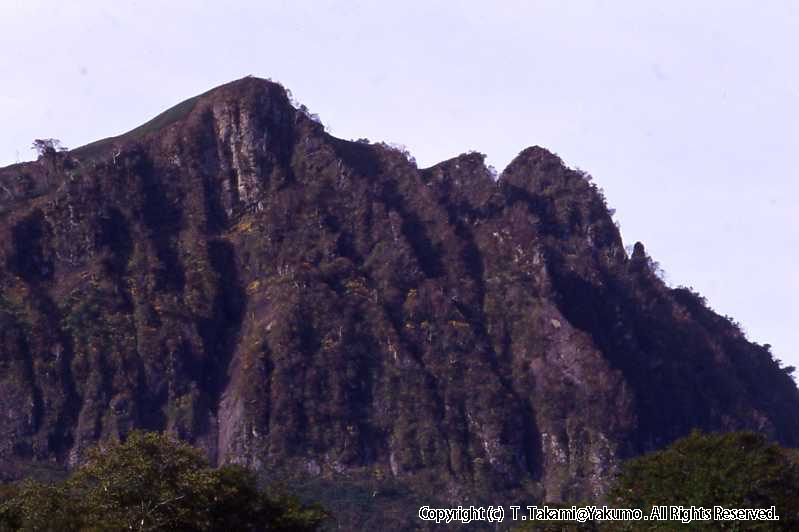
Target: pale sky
{"points": [[685, 112]]}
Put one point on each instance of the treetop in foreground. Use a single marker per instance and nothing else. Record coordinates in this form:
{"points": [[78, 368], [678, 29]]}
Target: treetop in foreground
{"points": [[152, 482]]}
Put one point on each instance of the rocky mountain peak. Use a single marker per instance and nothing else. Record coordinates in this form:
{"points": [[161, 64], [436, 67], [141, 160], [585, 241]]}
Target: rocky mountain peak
{"points": [[329, 313]]}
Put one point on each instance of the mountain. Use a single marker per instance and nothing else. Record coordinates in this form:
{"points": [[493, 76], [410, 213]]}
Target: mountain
{"points": [[332, 315]]}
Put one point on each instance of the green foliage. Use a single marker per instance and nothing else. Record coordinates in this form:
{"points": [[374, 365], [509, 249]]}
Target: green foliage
{"points": [[8, 510], [38, 506], [147, 482], [733, 470], [151, 482], [239, 505]]}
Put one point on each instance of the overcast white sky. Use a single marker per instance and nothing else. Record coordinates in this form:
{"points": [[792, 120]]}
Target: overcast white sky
{"points": [[686, 113]]}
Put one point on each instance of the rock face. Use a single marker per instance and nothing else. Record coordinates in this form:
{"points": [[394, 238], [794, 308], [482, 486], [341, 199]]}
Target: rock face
{"points": [[231, 273]]}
